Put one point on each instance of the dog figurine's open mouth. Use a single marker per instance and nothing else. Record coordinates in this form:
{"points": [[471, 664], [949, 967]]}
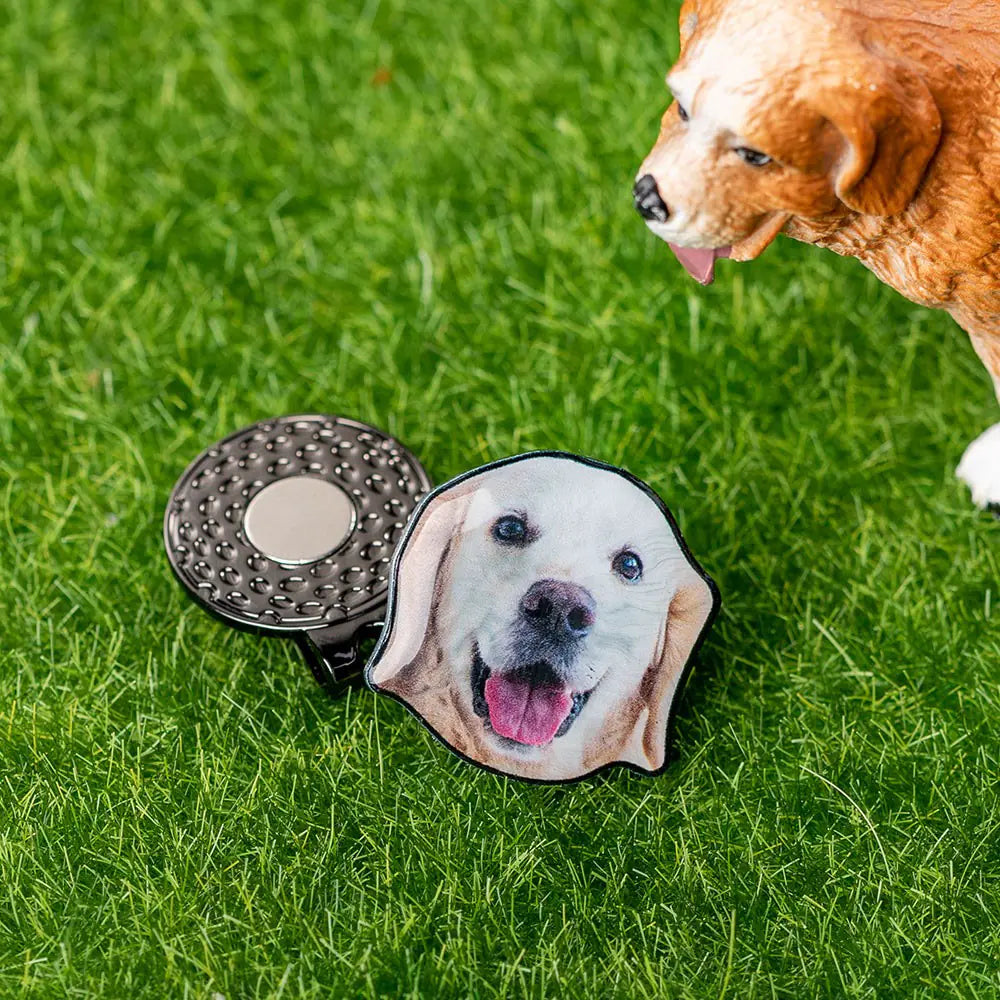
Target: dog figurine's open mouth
{"points": [[542, 613]]}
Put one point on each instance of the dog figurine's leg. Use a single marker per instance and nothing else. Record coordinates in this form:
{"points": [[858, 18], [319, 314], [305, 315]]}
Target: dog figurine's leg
{"points": [[980, 465]]}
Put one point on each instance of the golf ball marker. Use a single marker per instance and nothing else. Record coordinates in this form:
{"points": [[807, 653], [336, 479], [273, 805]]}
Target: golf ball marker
{"points": [[543, 614]]}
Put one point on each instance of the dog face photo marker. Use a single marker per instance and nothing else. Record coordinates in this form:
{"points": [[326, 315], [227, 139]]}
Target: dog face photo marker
{"points": [[542, 611]]}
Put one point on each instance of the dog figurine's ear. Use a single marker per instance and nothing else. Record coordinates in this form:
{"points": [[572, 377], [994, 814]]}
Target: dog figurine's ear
{"points": [[421, 572], [688, 21], [687, 616], [891, 127]]}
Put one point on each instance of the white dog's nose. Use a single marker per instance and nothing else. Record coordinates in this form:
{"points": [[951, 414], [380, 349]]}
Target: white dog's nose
{"points": [[562, 610], [648, 202]]}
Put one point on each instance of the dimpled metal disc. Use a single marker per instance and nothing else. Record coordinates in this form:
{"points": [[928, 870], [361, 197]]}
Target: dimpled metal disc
{"points": [[288, 526]]}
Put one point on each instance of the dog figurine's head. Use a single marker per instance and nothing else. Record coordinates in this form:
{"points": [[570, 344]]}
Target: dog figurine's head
{"points": [[781, 112], [541, 615]]}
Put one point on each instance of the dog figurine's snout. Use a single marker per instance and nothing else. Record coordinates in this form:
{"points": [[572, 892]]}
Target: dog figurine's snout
{"points": [[563, 610], [648, 202]]}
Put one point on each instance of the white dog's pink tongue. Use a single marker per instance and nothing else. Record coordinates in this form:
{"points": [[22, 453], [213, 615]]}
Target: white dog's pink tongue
{"points": [[526, 712], [700, 264]]}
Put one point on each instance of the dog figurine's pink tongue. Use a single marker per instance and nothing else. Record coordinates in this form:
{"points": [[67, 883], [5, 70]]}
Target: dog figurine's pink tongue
{"points": [[700, 264]]}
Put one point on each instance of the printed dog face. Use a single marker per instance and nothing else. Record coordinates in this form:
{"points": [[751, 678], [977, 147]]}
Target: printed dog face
{"points": [[778, 115], [542, 613]]}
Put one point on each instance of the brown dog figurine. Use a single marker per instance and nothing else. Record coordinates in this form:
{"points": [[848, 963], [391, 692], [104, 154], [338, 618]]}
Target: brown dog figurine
{"points": [[871, 127]]}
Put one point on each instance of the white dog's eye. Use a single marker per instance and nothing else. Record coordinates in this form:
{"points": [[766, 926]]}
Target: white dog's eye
{"points": [[752, 156], [682, 112], [627, 565], [512, 529]]}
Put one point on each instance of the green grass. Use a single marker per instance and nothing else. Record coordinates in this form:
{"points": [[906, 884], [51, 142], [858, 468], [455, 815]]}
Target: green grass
{"points": [[218, 212]]}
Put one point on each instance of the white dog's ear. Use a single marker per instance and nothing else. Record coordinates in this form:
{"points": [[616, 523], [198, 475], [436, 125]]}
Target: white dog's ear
{"points": [[421, 577], [689, 611], [891, 127]]}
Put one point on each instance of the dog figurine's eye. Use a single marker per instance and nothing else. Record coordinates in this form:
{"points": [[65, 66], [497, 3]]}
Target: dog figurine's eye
{"points": [[627, 565], [752, 156], [682, 112], [511, 530]]}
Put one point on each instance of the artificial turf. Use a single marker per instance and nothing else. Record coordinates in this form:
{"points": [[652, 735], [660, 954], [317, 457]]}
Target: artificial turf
{"points": [[418, 214]]}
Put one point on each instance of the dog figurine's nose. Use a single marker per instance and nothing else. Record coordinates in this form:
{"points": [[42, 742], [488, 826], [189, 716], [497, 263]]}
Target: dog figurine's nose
{"points": [[648, 202], [564, 610]]}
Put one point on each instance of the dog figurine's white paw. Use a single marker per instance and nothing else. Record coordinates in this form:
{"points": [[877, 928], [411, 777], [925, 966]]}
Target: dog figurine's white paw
{"points": [[980, 468]]}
